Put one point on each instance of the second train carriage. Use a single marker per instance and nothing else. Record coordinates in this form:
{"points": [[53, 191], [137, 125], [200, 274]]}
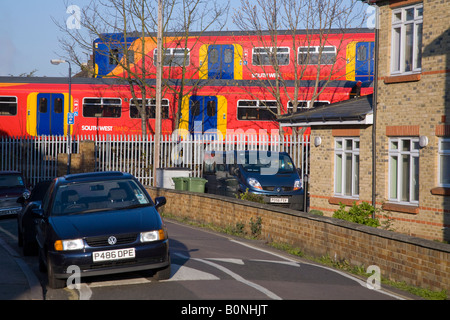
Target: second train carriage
{"points": [[40, 106], [345, 54]]}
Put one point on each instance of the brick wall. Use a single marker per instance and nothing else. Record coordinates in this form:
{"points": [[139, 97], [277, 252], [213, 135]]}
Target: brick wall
{"points": [[416, 105], [418, 262]]}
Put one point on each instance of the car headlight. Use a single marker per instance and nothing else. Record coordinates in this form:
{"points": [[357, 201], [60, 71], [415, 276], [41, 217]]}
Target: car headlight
{"points": [[65, 245], [254, 183], [297, 184], [154, 235]]}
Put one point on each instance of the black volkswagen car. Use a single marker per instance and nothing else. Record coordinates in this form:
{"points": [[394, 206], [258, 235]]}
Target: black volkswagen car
{"points": [[101, 223]]}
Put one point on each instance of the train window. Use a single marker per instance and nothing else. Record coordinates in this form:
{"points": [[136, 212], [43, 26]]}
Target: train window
{"points": [[211, 108], [43, 105], [303, 104], [256, 110], [114, 57], [151, 108], [213, 56], [173, 57], [58, 105], [228, 56], [270, 56], [8, 106], [102, 107], [361, 54], [310, 55]]}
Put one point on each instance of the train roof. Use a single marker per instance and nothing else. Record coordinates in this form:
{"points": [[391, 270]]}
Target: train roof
{"points": [[117, 36]]}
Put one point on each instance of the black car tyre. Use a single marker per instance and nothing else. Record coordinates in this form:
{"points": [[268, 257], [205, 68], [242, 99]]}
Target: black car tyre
{"points": [[54, 282]]}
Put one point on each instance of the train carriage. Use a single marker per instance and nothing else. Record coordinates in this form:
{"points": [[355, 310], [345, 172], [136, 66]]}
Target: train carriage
{"points": [[345, 54]]}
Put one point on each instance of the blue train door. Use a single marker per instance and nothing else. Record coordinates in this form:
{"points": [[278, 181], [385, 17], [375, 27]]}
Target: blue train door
{"points": [[221, 61], [50, 114], [202, 114], [364, 61]]}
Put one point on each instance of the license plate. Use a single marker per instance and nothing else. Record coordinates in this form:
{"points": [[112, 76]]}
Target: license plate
{"points": [[113, 255], [9, 211], [279, 200]]}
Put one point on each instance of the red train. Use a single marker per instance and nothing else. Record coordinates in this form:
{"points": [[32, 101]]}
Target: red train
{"points": [[230, 99]]}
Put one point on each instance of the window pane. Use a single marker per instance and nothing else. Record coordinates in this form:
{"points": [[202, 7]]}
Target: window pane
{"points": [[405, 178], [58, 105], [338, 178], [415, 179], [393, 175], [43, 105], [348, 144], [418, 48], [444, 166], [445, 145], [348, 175], [409, 42], [356, 175], [409, 14], [396, 44], [406, 145]]}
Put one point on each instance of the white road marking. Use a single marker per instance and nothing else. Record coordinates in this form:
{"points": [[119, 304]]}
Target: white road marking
{"points": [[237, 277], [230, 260]]}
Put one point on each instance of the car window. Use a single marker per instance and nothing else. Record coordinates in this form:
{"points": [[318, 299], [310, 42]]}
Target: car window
{"points": [[11, 180], [254, 162], [98, 196]]}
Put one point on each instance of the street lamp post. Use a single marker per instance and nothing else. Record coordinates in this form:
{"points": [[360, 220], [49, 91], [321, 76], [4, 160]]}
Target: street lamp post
{"points": [[69, 140]]}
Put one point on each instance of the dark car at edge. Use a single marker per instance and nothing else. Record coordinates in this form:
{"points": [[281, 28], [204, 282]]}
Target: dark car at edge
{"points": [[12, 187], [102, 223]]}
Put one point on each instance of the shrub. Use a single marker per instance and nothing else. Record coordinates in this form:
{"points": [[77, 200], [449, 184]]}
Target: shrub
{"points": [[250, 197], [361, 214]]}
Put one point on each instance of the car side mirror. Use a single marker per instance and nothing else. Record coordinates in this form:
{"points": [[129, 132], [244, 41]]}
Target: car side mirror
{"points": [[160, 201]]}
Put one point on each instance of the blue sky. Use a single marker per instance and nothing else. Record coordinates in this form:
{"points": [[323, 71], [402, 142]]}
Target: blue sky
{"points": [[29, 37]]}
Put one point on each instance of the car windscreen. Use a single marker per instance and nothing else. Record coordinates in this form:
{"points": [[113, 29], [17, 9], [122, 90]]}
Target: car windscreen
{"points": [[11, 180], [95, 196], [254, 162]]}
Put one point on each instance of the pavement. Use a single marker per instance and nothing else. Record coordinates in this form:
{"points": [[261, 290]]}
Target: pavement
{"points": [[17, 280]]}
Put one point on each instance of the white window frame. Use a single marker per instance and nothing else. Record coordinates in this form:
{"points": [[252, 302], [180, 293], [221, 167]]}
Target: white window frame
{"points": [[343, 147], [443, 152], [257, 105], [264, 51], [401, 21], [10, 104], [317, 103], [101, 102], [396, 187], [314, 52], [170, 54]]}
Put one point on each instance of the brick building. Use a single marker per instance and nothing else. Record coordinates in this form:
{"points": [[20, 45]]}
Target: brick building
{"points": [[411, 127]]}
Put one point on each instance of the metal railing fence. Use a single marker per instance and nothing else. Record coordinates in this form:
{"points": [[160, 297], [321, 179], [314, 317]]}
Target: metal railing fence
{"points": [[37, 157]]}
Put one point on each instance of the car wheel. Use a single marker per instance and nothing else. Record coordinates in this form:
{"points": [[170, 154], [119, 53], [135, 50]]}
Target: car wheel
{"points": [[54, 282]]}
